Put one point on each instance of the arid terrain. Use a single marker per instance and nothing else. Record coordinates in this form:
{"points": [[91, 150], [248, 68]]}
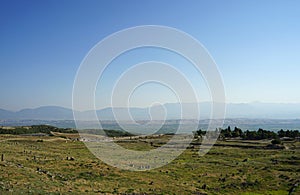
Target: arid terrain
{"points": [[61, 164]]}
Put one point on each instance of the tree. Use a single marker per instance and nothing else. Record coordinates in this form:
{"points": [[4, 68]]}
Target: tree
{"points": [[237, 132], [281, 133]]}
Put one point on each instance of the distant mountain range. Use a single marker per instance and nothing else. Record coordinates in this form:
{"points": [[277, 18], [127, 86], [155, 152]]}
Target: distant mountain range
{"points": [[171, 111]]}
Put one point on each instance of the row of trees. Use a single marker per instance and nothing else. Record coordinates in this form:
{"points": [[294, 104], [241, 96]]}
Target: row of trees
{"points": [[35, 129], [252, 135]]}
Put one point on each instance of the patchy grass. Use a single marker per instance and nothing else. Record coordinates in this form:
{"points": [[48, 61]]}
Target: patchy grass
{"points": [[56, 165]]}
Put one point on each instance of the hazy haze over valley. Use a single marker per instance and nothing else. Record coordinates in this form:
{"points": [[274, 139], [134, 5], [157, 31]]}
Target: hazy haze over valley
{"points": [[233, 110]]}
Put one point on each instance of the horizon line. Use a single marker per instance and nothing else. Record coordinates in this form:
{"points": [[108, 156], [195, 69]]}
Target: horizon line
{"points": [[107, 107]]}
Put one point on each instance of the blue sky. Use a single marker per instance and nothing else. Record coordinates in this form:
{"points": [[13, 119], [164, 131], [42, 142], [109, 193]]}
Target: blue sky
{"points": [[256, 45]]}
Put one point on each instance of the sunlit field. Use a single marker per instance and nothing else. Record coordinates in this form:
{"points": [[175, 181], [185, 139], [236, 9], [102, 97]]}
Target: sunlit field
{"points": [[62, 164]]}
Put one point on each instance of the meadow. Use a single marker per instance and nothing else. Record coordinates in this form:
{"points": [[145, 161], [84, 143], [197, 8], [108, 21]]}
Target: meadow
{"points": [[62, 164]]}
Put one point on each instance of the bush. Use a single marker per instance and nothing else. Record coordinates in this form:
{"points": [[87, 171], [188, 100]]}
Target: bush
{"points": [[276, 141]]}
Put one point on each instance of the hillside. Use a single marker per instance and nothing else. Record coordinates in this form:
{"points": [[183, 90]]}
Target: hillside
{"points": [[59, 166]]}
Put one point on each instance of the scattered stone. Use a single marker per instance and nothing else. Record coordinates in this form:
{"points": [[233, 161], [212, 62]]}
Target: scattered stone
{"points": [[70, 158]]}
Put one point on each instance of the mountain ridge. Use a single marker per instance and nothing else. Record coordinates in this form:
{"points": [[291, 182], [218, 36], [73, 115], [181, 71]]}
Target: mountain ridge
{"points": [[171, 111]]}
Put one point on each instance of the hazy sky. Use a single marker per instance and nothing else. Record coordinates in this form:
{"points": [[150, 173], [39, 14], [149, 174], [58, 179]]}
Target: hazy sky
{"points": [[256, 45]]}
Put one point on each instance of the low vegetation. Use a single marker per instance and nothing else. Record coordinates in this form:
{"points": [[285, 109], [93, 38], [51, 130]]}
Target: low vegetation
{"points": [[58, 165], [107, 132], [49, 130]]}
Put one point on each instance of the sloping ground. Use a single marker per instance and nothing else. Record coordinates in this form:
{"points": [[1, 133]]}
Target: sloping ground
{"points": [[57, 165]]}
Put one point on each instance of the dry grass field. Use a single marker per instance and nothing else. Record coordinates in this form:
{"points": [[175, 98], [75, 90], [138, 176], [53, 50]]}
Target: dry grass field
{"points": [[60, 164]]}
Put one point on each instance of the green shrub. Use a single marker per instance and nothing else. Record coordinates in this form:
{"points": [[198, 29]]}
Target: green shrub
{"points": [[276, 141]]}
